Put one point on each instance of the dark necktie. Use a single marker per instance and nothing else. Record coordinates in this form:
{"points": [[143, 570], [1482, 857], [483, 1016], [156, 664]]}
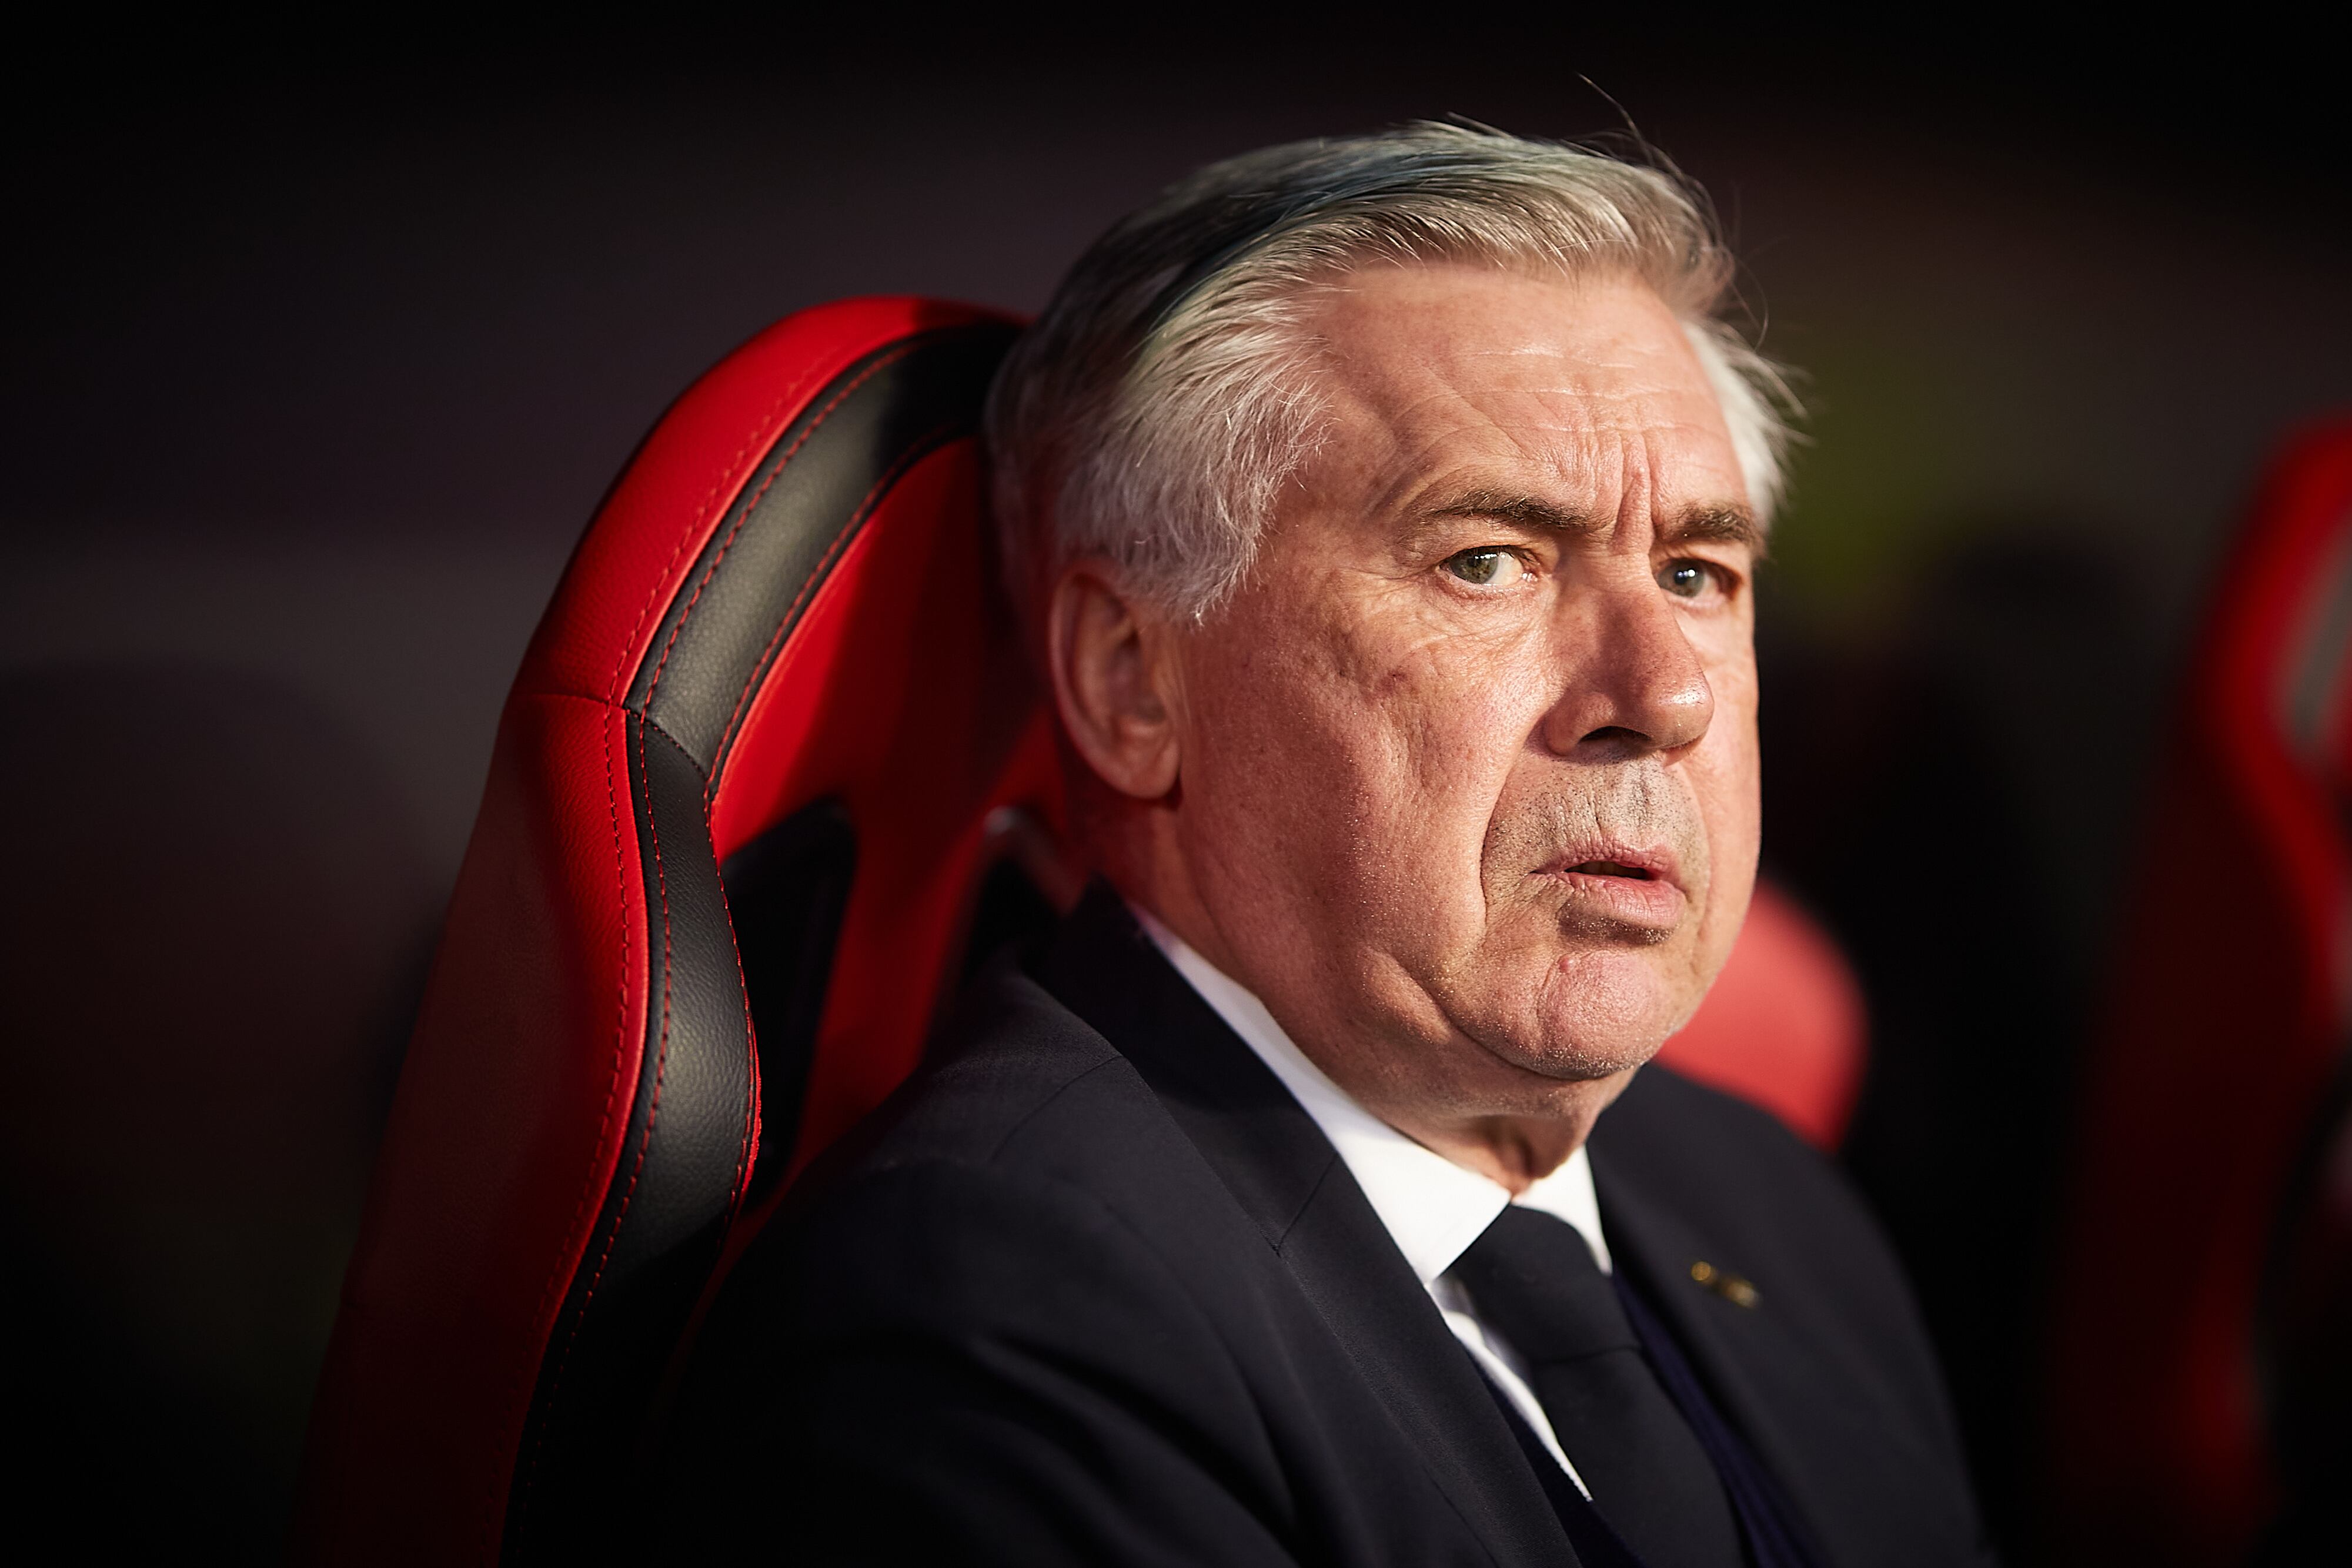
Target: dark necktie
{"points": [[1532, 1278]]}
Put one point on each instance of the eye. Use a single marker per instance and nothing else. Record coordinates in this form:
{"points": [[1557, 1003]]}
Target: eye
{"points": [[1688, 578], [1488, 566]]}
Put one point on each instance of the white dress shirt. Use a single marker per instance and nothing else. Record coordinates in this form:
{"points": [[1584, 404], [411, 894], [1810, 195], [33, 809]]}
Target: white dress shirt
{"points": [[1433, 1207]]}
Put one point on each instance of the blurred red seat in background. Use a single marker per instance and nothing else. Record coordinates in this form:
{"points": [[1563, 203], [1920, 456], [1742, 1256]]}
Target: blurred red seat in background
{"points": [[2199, 1354], [1783, 1026], [771, 773]]}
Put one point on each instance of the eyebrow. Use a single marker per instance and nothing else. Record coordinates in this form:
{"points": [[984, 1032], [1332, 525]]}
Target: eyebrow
{"points": [[1718, 525], [1523, 511], [1713, 524]]}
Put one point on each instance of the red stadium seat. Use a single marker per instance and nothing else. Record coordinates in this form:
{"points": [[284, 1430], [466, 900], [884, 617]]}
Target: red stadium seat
{"points": [[2204, 1295], [1783, 1026], [772, 771], [772, 687]]}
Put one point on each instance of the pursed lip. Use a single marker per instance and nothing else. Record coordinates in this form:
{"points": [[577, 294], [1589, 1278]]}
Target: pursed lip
{"points": [[1621, 883]]}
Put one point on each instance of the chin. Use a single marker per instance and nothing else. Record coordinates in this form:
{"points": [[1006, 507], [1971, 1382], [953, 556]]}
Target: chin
{"points": [[1570, 1060], [1596, 1014]]}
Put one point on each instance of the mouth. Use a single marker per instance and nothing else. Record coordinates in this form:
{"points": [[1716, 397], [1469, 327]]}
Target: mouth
{"points": [[1609, 868], [1620, 860], [1633, 891]]}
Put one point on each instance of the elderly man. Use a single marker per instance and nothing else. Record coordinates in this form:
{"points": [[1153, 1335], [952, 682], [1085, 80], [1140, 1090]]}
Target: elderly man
{"points": [[1384, 515]]}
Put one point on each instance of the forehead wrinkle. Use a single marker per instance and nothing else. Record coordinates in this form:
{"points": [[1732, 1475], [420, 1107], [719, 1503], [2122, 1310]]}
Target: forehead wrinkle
{"points": [[1540, 435], [1719, 522], [1430, 419], [1637, 477], [1518, 468]]}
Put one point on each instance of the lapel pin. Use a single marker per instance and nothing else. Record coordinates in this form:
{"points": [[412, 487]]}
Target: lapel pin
{"points": [[1739, 1292]]}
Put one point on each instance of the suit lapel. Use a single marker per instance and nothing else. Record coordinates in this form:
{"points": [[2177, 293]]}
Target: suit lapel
{"points": [[1285, 1175], [1656, 1251], [1804, 1402]]}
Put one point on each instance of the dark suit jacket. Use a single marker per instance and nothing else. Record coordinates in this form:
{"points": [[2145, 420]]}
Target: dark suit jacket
{"points": [[1094, 1289]]}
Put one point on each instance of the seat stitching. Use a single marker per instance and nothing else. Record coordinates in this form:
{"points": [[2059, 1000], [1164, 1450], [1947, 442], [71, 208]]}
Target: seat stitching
{"points": [[660, 865], [913, 453], [743, 513], [653, 1109], [723, 485], [558, 1274], [748, 1148]]}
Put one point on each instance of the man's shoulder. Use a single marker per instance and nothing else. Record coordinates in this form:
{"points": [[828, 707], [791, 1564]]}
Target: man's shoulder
{"points": [[1015, 1080], [1026, 1135], [1018, 1230], [1025, 1180]]}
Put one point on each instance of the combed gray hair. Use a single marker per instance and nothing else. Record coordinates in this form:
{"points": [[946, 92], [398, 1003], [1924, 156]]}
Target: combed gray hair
{"points": [[1155, 410]]}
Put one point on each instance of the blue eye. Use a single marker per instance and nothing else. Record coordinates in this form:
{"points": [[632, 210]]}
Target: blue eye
{"points": [[1685, 578]]}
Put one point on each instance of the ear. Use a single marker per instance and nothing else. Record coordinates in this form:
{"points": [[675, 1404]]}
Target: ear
{"points": [[1113, 679]]}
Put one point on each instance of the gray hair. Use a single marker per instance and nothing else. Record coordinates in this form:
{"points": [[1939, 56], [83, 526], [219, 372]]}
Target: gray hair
{"points": [[1155, 410]]}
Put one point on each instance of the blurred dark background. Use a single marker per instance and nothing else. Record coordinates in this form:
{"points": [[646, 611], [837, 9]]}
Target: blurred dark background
{"points": [[318, 355]]}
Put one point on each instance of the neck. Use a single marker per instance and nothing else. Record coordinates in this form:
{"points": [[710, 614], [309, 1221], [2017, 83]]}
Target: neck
{"points": [[1135, 847], [1513, 1152]]}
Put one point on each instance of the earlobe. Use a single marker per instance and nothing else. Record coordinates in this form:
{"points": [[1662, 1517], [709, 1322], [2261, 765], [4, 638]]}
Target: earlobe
{"points": [[1108, 655]]}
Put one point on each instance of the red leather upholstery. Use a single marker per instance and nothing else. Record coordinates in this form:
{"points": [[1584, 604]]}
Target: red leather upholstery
{"points": [[781, 611], [1783, 1026], [2224, 1034]]}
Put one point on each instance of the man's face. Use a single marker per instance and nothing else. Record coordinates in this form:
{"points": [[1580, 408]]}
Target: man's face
{"points": [[1468, 767]]}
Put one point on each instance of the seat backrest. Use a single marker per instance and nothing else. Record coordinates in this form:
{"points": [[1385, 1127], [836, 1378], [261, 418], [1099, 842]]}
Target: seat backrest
{"points": [[2206, 1094], [774, 698]]}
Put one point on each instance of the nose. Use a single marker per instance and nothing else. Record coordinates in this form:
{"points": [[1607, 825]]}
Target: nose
{"points": [[1631, 684]]}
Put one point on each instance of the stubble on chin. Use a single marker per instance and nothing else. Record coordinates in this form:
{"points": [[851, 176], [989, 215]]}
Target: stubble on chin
{"points": [[1555, 986]]}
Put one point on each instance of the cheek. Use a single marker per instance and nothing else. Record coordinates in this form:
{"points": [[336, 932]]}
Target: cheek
{"points": [[1454, 732], [1453, 713], [1274, 765], [1367, 766], [1726, 776]]}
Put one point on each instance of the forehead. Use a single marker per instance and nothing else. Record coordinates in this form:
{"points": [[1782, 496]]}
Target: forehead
{"points": [[1585, 391]]}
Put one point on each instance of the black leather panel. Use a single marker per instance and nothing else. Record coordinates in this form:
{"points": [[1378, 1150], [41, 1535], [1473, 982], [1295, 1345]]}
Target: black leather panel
{"points": [[801, 507], [666, 1216], [786, 890], [696, 1120]]}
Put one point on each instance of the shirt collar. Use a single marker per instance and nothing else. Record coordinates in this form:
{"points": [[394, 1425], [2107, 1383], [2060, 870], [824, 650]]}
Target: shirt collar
{"points": [[1433, 1207]]}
